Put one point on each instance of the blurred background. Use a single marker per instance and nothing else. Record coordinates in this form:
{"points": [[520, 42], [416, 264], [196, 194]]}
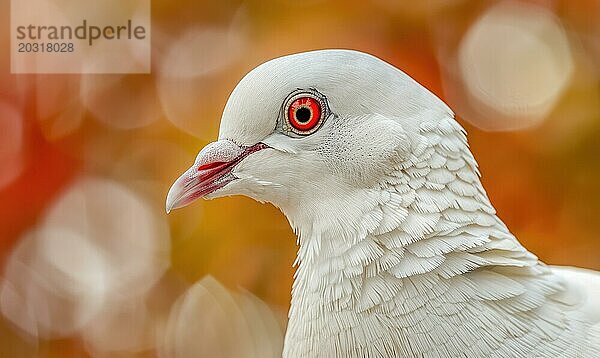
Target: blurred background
{"points": [[92, 266]]}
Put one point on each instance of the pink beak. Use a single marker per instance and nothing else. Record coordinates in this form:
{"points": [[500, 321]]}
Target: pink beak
{"points": [[211, 171]]}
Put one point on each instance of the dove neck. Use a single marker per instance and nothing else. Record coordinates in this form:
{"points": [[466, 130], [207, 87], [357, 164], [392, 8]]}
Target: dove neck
{"points": [[351, 261]]}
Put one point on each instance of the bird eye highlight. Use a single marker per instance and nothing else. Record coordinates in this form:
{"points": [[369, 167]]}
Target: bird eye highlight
{"points": [[304, 114]]}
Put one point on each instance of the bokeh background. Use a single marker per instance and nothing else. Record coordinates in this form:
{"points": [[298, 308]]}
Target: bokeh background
{"points": [[92, 266]]}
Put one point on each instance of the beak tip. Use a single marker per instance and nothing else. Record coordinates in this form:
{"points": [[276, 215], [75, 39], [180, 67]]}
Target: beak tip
{"points": [[173, 197]]}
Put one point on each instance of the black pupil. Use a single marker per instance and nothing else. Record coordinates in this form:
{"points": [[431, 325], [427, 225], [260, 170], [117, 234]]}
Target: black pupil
{"points": [[303, 114]]}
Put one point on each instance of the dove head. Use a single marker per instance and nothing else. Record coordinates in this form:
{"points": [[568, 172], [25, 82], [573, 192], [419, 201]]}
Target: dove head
{"points": [[312, 133]]}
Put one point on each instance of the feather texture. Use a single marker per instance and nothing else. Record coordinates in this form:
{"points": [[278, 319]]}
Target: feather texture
{"points": [[443, 276]]}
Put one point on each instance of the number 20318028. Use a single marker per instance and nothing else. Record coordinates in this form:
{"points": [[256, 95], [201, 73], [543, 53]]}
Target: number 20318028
{"points": [[45, 47]]}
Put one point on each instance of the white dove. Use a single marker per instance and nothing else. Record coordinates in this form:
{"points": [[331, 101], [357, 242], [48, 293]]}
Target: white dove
{"points": [[400, 253]]}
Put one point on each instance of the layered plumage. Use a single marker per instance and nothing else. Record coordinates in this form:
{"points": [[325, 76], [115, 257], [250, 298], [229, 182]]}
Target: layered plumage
{"points": [[401, 253]]}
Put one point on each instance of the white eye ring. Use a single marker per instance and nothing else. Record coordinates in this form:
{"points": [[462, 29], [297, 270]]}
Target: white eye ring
{"points": [[314, 102]]}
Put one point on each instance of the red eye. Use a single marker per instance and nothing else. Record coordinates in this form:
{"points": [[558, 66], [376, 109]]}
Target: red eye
{"points": [[304, 113]]}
